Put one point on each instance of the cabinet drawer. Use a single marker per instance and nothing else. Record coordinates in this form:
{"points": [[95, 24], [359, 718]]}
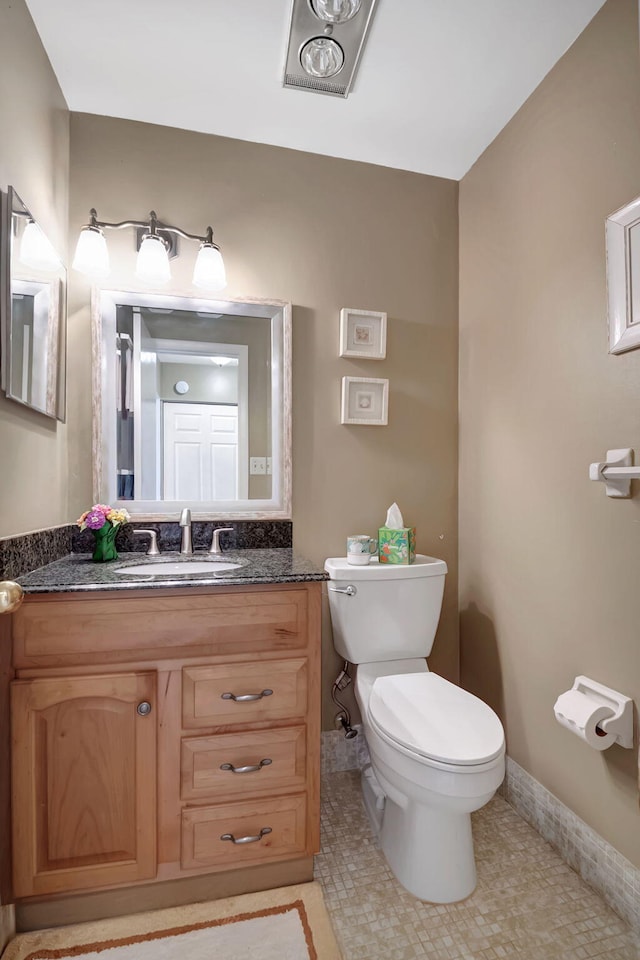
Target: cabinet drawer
{"points": [[278, 755], [204, 827], [76, 629], [211, 695]]}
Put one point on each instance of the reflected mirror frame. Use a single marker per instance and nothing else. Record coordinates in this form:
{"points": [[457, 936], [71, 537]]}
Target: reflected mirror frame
{"points": [[8, 200], [104, 303]]}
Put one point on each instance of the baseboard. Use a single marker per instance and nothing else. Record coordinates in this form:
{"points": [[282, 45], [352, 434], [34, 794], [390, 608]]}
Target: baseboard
{"points": [[337, 753], [99, 904], [599, 864]]}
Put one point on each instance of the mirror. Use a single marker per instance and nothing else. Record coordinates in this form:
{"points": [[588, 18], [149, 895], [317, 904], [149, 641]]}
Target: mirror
{"points": [[33, 313], [191, 405], [623, 277]]}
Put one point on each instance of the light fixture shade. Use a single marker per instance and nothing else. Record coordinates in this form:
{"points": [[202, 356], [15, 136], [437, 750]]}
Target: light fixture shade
{"points": [[35, 250], [335, 11], [322, 57], [152, 265], [209, 272], [92, 255]]}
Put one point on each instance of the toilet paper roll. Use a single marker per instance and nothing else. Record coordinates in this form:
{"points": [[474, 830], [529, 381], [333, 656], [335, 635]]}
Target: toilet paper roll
{"points": [[581, 715]]}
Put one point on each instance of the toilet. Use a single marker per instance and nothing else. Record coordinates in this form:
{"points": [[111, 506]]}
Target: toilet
{"points": [[437, 752]]}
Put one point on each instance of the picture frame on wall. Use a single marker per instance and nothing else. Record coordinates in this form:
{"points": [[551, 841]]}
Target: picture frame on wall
{"points": [[365, 402], [622, 230], [363, 334]]}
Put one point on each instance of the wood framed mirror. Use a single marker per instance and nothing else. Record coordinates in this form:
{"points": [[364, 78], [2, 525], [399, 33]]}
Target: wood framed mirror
{"points": [[192, 405]]}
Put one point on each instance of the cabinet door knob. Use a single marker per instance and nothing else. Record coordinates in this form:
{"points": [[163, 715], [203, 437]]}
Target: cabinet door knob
{"points": [[245, 697], [230, 836], [144, 708], [11, 596], [250, 769]]}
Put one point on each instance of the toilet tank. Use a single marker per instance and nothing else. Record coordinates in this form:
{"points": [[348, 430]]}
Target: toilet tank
{"points": [[385, 611]]}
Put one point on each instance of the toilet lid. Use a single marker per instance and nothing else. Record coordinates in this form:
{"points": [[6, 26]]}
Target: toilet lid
{"points": [[435, 719]]}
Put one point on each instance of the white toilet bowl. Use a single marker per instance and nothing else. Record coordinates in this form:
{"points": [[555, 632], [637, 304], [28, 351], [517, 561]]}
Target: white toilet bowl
{"points": [[437, 752]]}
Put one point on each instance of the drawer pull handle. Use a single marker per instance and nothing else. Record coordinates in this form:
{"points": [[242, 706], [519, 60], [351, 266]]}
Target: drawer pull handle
{"points": [[251, 769], [246, 696], [230, 836]]}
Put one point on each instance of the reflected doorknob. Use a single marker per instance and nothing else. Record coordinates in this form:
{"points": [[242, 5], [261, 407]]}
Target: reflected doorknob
{"points": [[11, 596]]}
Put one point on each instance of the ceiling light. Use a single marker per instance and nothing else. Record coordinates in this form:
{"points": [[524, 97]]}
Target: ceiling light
{"points": [[322, 57], [157, 243], [224, 361], [335, 11], [326, 39]]}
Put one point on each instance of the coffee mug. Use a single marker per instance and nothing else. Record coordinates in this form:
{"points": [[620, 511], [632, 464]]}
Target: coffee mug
{"points": [[359, 548]]}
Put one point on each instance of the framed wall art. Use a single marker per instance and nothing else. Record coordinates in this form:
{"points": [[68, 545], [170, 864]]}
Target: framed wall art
{"points": [[365, 402], [363, 334], [623, 277]]}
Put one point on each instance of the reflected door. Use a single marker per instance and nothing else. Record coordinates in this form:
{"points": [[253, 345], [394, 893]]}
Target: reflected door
{"points": [[200, 451]]}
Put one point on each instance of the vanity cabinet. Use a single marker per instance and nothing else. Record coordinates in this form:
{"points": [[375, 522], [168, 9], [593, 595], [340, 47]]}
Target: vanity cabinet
{"points": [[164, 734], [84, 781]]}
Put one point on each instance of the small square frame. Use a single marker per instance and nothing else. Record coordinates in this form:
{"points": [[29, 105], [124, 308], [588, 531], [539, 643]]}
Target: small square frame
{"points": [[365, 402], [363, 334]]}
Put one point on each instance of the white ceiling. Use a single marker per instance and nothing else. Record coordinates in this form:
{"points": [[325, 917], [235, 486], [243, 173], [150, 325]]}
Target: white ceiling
{"points": [[437, 81]]}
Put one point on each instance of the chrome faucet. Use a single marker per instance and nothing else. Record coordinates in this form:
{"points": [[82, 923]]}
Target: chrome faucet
{"points": [[185, 523]]}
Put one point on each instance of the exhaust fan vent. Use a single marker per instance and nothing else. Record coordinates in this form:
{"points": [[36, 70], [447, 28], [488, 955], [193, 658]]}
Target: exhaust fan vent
{"points": [[310, 83], [323, 54]]}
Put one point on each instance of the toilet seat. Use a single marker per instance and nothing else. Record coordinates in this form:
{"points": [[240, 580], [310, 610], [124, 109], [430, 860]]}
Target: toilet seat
{"points": [[435, 720]]}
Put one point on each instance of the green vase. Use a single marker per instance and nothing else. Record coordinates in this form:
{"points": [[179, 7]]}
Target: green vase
{"points": [[105, 548]]}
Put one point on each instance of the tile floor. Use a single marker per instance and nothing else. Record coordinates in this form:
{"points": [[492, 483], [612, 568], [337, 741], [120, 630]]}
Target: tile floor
{"points": [[528, 903]]}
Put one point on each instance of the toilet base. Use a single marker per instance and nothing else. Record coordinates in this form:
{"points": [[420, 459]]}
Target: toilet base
{"points": [[374, 798], [429, 849]]}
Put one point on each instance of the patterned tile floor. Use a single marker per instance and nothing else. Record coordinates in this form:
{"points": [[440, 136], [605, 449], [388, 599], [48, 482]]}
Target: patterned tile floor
{"points": [[528, 903]]}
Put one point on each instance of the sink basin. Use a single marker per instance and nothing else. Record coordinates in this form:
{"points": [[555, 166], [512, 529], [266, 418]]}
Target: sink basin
{"points": [[177, 568]]}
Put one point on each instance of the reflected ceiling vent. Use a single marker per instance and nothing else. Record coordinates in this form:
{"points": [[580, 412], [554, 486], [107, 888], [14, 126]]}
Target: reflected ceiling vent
{"points": [[326, 38]]}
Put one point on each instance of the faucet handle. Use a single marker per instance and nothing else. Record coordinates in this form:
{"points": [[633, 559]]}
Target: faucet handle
{"points": [[215, 540], [153, 550]]}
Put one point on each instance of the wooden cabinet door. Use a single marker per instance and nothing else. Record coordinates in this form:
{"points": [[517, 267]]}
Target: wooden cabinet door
{"points": [[83, 782]]}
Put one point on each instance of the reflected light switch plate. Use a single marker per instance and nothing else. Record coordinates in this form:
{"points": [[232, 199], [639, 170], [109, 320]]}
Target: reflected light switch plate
{"points": [[257, 465]]}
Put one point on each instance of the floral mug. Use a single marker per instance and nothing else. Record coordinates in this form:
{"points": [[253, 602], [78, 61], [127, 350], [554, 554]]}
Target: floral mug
{"points": [[360, 547]]}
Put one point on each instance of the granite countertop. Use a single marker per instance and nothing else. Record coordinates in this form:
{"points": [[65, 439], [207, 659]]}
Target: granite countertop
{"points": [[78, 572]]}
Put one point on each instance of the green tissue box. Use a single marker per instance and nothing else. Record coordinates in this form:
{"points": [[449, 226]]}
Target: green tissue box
{"points": [[397, 546]]}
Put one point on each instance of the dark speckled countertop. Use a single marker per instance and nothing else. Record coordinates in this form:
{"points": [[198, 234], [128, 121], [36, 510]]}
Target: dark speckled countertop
{"points": [[78, 572]]}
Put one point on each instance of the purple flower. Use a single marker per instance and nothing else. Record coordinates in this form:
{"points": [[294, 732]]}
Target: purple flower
{"points": [[95, 520]]}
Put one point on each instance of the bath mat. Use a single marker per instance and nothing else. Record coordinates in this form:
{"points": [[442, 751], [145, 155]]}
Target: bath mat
{"points": [[289, 923]]}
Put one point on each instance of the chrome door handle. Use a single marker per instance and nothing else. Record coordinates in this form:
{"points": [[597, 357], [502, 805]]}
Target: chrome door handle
{"points": [[245, 697], [350, 590], [230, 836], [250, 769]]}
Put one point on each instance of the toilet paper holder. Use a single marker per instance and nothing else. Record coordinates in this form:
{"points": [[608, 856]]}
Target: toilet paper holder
{"points": [[620, 723]]}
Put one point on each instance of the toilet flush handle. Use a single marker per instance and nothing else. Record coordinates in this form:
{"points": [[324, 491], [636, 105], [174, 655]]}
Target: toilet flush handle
{"points": [[350, 590]]}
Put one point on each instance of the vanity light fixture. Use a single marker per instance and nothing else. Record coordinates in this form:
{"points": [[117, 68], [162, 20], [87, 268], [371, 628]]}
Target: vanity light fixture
{"points": [[36, 250], [326, 38], [157, 243]]}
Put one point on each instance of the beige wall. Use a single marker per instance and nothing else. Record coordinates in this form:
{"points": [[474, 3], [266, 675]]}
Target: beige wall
{"points": [[324, 234], [34, 159], [549, 564]]}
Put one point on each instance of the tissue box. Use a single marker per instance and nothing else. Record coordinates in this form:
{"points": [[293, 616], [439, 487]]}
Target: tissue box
{"points": [[397, 546]]}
